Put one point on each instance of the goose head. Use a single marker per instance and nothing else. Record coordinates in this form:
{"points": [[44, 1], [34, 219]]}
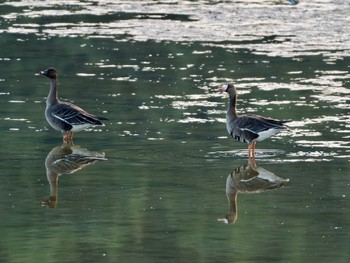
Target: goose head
{"points": [[49, 72], [229, 88]]}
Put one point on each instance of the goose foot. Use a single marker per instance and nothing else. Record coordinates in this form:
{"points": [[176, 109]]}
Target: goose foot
{"points": [[68, 138]]}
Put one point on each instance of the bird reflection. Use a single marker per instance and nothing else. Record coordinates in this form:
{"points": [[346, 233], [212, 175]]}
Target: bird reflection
{"points": [[248, 179], [66, 159]]}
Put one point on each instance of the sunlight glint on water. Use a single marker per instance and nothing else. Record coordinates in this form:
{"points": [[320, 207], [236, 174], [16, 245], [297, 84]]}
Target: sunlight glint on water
{"points": [[153, 69]]}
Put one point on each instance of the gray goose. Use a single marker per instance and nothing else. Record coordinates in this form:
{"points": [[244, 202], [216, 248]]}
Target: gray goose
{"points": [[249, 128], [64, 116]]}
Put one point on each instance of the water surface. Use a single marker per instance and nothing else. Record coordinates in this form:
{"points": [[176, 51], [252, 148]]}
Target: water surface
{"points": [[153, 68]]}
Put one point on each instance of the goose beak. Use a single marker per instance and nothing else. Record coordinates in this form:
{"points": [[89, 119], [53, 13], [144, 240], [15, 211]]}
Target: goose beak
{"points": [[223, 88], [42, 72]]}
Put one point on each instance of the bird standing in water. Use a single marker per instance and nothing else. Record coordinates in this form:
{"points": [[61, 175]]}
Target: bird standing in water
{"points": [[249, 128], [64, 116]]}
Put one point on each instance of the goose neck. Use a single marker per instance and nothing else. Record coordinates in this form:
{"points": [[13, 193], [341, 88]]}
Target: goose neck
{"points": [[232, 108], [52, 98]]}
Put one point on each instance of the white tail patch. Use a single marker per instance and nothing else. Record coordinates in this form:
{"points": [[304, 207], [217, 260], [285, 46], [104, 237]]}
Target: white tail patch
{"points": [[80, 127], [267, 134]]}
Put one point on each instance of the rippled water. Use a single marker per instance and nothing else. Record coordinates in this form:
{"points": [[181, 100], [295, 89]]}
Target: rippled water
{"points": [[166, 169]]}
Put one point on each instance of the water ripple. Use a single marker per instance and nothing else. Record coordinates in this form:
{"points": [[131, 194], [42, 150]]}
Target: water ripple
{"points": [[310, 28]]}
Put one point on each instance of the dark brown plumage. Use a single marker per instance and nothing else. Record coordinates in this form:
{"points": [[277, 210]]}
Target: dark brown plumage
{"points": [[64, 116], [249, 128]]}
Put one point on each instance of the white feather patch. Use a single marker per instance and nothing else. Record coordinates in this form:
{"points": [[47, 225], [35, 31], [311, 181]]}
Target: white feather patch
{"points": [[80, 127], [75, 128], [267, 134]]}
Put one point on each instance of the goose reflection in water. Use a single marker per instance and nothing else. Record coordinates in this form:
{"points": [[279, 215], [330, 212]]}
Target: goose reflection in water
{"points": [[66, 159], [248, 179]]}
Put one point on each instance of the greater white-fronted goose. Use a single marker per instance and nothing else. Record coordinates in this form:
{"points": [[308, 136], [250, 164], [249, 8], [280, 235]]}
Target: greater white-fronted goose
{"points": [[64, 116], [249, 128]]}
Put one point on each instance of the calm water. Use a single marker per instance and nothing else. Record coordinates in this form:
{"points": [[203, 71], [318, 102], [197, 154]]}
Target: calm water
{"points": [[158, 186]]}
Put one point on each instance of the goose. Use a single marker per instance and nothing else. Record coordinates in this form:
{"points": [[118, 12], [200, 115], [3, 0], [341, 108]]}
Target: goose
{"points": [[249, 128], [64, 116]]}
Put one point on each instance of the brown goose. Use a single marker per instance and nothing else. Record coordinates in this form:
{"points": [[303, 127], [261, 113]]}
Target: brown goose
{"points": [[64, 116], [249, 128]]}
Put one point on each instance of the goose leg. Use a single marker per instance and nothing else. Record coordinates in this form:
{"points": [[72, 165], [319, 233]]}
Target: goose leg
{"points": [[253, 149], [251, 161], [71, 136], [249, 151], [68, 137]]}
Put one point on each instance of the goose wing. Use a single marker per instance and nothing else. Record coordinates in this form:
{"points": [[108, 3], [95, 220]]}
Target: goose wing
{"points": [[73, 115], [256, 123], [247, 128]]}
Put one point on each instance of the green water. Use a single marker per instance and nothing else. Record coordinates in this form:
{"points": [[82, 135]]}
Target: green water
{"points": [[159, 194]]}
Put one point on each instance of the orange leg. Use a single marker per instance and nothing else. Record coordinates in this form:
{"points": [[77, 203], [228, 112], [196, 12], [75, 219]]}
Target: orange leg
{"points": [[71, 136], [65, 138], [68, 137], [249, 151], [251, 161], [253, 149]]}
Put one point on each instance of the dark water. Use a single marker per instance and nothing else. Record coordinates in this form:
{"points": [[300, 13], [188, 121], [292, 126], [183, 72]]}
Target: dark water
{"points": [[152, 68]]}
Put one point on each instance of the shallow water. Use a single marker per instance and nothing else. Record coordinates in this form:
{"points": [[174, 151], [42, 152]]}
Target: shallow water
{"points": [[153, 68]]}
